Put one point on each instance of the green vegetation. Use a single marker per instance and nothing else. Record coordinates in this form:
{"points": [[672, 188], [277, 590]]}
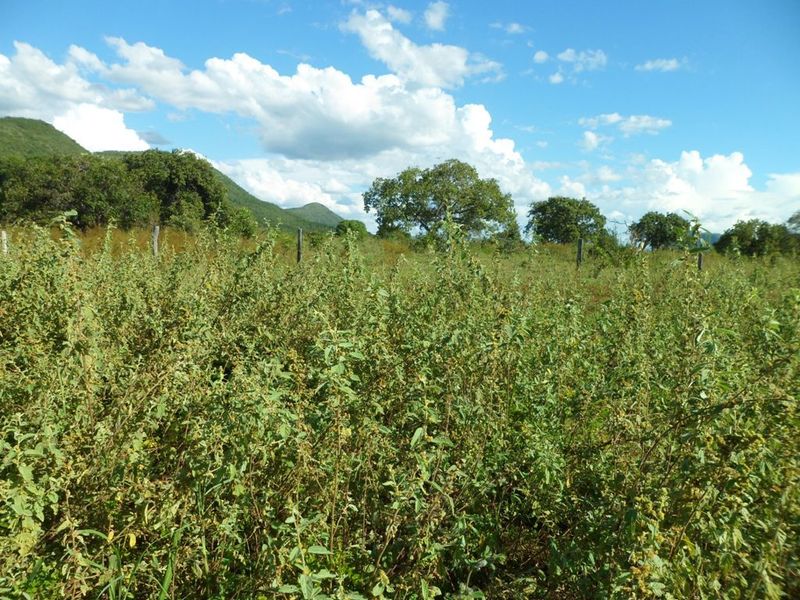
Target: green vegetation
{"points": [[564, 220], [222, 423], [659, 230], [421, 199], [132, 189], [56, 158], [352, 227], [759, 238], [31, 137]]}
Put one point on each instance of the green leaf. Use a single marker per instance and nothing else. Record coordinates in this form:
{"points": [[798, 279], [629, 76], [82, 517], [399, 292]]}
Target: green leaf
{"points": [[417, 436], [319, 550]]}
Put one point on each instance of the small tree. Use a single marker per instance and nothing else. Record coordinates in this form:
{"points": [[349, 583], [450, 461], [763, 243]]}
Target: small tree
{"points": [[352, 227], [564, 220], [659, 230], [421, 198]]}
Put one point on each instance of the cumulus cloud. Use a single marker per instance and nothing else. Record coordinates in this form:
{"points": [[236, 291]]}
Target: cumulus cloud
{"points": [[585, 60], [435, 65], [540, 57], [556, 78], [436, 15], [32, 85], [660, 64], [96, 128], [628, 125], [716, 189]]}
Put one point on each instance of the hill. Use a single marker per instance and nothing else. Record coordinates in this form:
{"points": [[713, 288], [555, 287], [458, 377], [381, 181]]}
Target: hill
{"points": [[317, 213], [31, 137], [289, 219]]}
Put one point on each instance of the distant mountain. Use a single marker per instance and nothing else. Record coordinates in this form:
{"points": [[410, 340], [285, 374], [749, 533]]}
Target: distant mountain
{"points": [[31, 137], [288, 219], [317, 213]]}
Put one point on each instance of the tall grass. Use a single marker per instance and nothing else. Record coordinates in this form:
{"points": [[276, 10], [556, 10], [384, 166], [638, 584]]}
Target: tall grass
{"points": [[222, 423]]}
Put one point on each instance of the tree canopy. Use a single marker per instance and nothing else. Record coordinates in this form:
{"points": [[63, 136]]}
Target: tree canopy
{"points": [[351, 227], [659, 230], [422, 198], [563, 220], [131, 189], [758, 238]]}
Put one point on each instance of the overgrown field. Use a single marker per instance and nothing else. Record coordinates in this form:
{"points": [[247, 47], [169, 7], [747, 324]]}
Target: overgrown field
{"points": [[222, 423]]}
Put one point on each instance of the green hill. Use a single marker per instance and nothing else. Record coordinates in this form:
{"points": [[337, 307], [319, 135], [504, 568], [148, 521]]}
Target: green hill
{"points": [[267, 211], [317, 213], [31, 137]]}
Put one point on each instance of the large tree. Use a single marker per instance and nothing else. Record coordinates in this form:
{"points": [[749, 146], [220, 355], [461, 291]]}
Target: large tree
{"points": [[422, 198], [564, 220], [659, 230]]}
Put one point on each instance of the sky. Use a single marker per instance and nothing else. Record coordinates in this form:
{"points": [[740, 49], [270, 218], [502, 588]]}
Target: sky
{"points": [[636, 106]]}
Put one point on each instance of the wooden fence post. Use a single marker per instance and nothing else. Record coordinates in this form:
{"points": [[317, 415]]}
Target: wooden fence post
{"points": [[4, 241], [580, 252], [299, 245], [156, 230], [699, 261]]}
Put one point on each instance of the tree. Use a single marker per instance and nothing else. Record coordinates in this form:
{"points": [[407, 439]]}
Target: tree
{"points": [[422, 198], [564, 220], [659, 230], [758, 238], [794, 223], [351, 227]]}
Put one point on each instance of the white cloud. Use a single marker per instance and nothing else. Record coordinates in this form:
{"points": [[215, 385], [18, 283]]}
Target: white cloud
{"points": [[436, 14], [436, 65], [591, 141], [32, 85], [716, 189], [540, 57], [585, 60], [630, 125], [510, 28], [96, 128], [556, 78], [660, 64], [571, 188], [398, 15]]}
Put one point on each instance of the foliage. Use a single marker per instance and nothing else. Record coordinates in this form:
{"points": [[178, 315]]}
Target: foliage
{"points": [[422, 198], [659, 230], [224, 423], [130, 189], [758, 238], [563, 220], [352, 227]]}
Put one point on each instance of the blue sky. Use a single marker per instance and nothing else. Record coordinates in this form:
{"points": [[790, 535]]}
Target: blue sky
{"points": [[635, 105]]}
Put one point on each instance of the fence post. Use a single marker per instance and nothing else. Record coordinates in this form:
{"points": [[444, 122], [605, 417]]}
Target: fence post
{"points": [[4, 241], [699, 261], [580, 252], [156, 230], [299, 245]]}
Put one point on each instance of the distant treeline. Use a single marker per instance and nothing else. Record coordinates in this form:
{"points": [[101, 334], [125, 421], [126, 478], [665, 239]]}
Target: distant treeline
{"points": [[137, 189]]}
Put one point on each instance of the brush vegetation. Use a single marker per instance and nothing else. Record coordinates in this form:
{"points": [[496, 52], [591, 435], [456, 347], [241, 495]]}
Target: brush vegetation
{"points": [[219, 422]]}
